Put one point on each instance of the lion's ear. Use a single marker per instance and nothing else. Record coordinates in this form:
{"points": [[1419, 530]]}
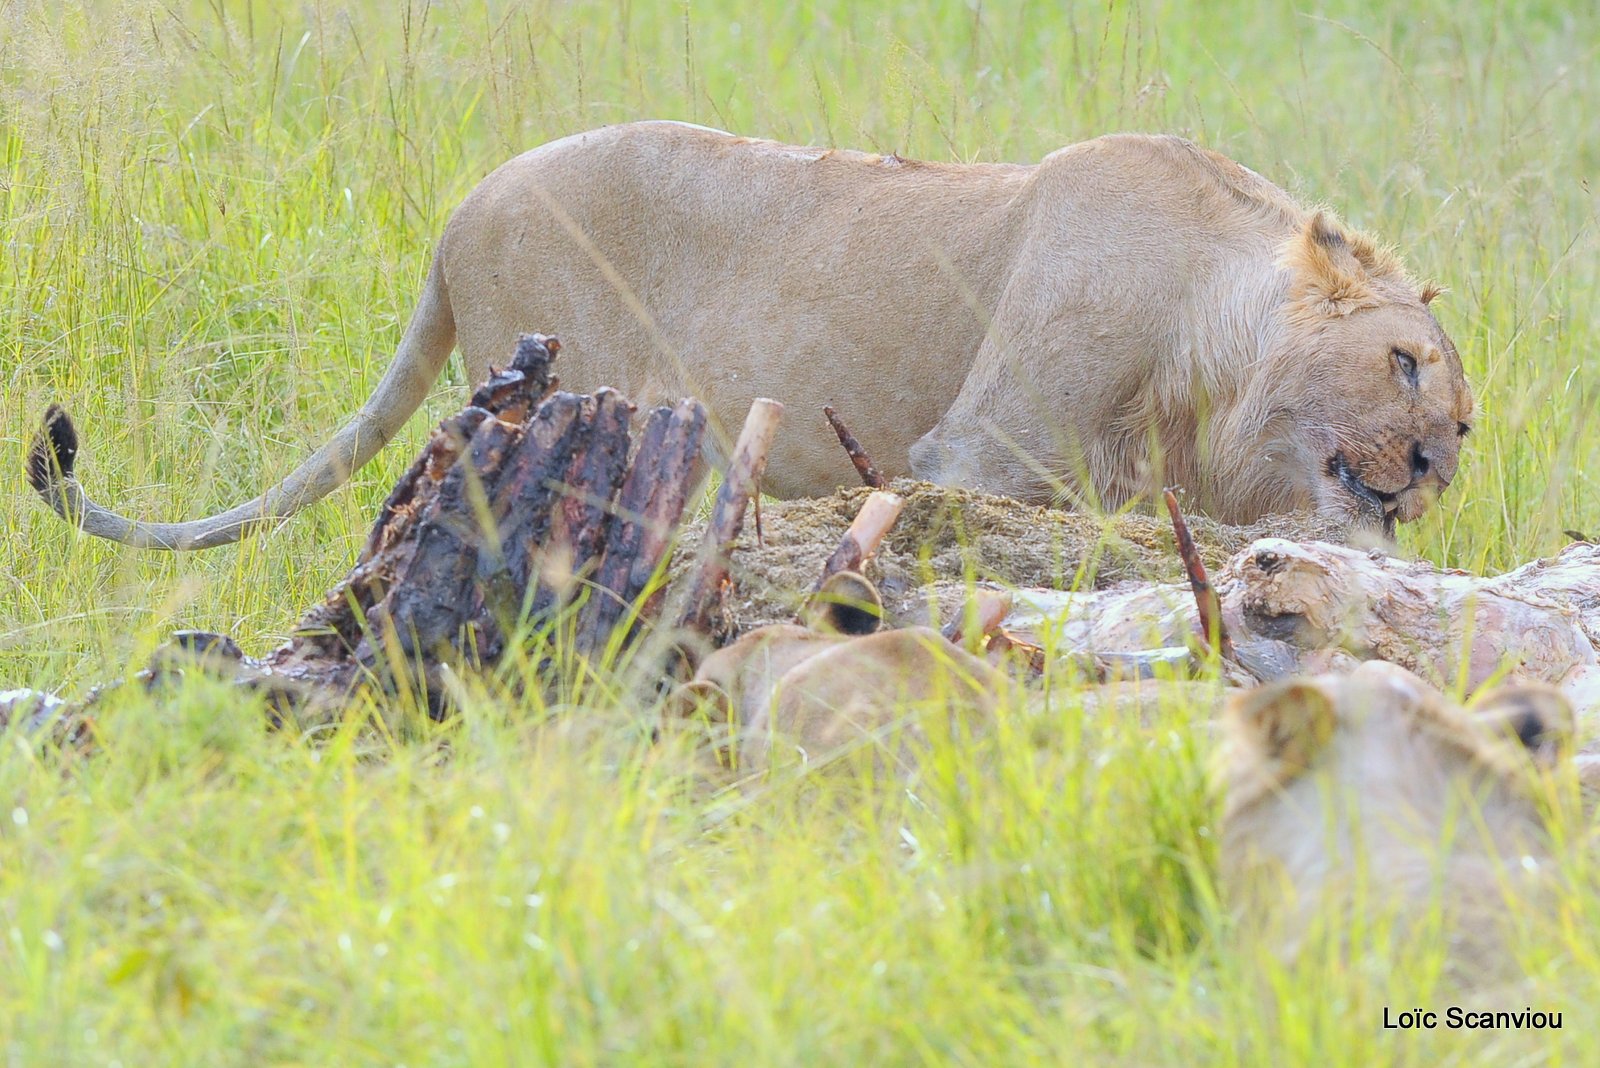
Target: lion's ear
{"points": [[1535, 716], [1284, 724], [1430, 290], [1328, 269], [846, 603]]}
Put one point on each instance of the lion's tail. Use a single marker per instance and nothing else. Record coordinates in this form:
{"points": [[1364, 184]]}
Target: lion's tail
{"points": [[421, 356]]}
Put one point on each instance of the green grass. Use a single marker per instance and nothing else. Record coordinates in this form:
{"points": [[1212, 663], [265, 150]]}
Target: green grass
{"points": [[214, 217]]}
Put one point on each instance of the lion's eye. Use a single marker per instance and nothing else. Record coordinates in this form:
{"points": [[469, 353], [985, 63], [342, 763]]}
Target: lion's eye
{"points": [[1462, 430], [1408, 364]]}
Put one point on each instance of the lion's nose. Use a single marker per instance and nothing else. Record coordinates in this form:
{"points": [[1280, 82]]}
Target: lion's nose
{"points": [[1422, 465]]}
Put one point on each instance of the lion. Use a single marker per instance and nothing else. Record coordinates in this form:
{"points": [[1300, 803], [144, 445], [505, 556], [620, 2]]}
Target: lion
{"points": [[804, 694], [1351, 794], [1131, 312]]}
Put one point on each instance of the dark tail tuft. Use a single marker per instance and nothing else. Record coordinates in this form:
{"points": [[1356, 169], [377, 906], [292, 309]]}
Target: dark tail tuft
{"points": [[54, 450]]}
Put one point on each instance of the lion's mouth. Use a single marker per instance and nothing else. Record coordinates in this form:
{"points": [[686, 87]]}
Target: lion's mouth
{"points": [[1381, 507]]}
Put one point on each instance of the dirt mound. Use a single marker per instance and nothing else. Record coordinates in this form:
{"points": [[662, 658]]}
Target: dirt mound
{"points": [[946, 536]]}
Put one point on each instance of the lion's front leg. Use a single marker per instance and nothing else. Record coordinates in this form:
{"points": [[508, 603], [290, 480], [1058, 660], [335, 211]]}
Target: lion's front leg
{"points": [[1043, 423]]}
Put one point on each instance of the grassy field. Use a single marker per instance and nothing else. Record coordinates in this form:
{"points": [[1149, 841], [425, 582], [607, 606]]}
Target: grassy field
{"points": [[214, 217]]}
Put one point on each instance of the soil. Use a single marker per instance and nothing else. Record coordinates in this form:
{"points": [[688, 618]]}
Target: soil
{"points": [[946, 539]]}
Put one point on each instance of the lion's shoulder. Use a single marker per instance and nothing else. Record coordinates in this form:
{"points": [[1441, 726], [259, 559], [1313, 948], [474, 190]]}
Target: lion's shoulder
{"points": [[1183, 170]]}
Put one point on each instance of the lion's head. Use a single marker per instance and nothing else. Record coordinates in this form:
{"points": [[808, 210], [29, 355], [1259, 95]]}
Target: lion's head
{"points": [[802, 693], [1365, 791], [1381, 403]]}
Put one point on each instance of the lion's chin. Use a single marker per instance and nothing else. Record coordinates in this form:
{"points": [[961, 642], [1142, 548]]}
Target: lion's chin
{"points": [[1363, 506], [1364, 527], [1413, 504], [1369, 527]]}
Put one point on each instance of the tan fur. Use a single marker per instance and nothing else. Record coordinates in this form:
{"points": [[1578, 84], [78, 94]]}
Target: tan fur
{"points": [[1370, 792], [1132, 311], [789, 694]]}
